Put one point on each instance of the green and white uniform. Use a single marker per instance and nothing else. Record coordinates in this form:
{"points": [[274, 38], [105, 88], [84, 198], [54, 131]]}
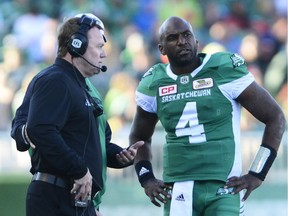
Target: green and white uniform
{"points": [[200, 115]]}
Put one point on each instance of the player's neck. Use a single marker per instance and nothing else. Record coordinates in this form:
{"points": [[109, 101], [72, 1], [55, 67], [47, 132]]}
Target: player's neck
{"points": [[189, 68]]}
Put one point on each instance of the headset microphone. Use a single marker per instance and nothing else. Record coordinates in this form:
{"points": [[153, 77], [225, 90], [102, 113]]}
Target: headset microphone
{"points": [[103, 68]]}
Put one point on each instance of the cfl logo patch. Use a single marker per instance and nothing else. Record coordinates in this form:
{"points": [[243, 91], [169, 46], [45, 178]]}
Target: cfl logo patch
{"points": [[237, 60], [167, 90], [76, 43]]}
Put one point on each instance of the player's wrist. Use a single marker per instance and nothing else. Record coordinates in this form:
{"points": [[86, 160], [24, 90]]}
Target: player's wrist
{"points": [[263, 161], [144, 171]]}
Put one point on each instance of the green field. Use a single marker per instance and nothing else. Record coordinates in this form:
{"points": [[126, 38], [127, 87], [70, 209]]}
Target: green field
{"points": [[125, 197]]}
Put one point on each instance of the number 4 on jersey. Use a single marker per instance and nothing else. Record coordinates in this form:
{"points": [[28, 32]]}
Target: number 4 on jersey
{"points": [[188, 124]]}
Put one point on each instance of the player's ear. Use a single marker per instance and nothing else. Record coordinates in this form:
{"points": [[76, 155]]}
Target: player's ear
{"points": [[197, 44], [161, 49]]}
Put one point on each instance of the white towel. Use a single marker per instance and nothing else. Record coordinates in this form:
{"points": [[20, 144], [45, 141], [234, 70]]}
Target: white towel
{"points": [[182, 199]]}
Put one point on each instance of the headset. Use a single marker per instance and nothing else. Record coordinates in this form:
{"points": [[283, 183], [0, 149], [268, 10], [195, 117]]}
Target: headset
{"points": [[78, 42]]}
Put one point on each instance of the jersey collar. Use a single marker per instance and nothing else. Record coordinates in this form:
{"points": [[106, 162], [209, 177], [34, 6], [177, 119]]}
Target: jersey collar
{"points": [[194, 73]]}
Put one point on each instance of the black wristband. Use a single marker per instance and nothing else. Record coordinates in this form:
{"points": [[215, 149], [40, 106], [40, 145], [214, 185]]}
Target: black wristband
{"points": [[263, 162], [144, 171]]}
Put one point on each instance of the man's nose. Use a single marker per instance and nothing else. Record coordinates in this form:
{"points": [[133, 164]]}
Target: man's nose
{"points": [[182, 39], [103, 54]]}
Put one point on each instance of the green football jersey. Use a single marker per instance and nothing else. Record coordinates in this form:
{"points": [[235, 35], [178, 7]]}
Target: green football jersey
{"points": [[200, 115]]}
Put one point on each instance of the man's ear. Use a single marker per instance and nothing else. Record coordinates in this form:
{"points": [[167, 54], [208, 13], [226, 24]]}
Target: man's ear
{"points": [[161, 49], [197, 44]]}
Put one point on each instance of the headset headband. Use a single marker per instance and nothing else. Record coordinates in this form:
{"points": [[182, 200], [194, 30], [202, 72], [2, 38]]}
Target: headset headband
{"points": [[92, 21]]}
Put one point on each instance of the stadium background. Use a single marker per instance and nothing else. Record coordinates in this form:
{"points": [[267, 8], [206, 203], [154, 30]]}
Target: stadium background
{"points": [[255, 29]]}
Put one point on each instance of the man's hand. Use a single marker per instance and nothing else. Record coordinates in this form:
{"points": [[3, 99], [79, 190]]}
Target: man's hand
{"points": [[248, 182], [98, 213], [157, 191], [128, 155], [82, 187]]}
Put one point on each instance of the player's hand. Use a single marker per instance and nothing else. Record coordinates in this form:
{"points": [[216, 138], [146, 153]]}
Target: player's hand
{"points": [[248, 182], [82, 187], [128, 155], [157, 191]]}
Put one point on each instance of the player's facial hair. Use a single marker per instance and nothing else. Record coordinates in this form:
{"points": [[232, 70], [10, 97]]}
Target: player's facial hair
{"points": [[183, 62]]}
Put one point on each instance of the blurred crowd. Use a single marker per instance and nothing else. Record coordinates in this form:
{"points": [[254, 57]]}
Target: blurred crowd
{"points": [[255, 29]]}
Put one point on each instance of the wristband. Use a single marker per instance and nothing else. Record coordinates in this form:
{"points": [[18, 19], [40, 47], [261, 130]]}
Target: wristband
{"points": [[144, 171], [263, 161]]}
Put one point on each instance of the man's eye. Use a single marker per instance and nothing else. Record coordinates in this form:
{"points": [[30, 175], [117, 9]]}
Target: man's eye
{"points": [[187, 34], [171, 38]]}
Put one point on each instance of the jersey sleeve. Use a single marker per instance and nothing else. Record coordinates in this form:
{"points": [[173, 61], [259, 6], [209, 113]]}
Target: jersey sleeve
{"points": [[235, 77], [145, 93]]}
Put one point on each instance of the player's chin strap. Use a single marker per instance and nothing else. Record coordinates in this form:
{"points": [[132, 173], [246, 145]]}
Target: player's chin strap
{"points": [[263, 161]]}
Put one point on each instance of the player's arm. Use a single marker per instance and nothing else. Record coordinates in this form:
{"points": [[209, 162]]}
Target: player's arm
{"points": [[143, 127], [263, 107]]}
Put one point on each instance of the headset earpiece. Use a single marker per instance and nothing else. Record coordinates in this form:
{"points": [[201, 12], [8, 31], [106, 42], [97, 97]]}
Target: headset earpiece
{"points": [[78, 42], [77, 45]]}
